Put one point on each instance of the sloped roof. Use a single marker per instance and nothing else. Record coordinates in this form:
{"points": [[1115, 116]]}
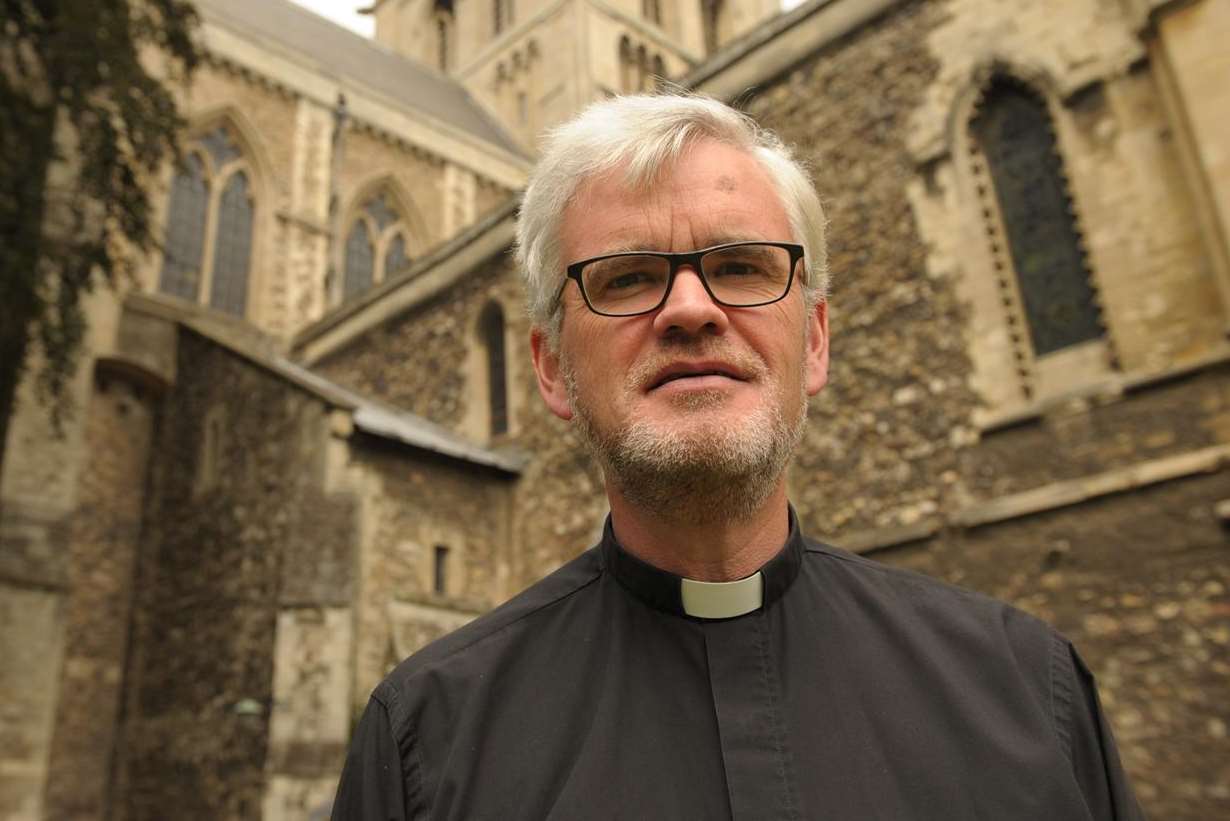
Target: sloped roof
{"points": [[368, 415], [339, 52]]}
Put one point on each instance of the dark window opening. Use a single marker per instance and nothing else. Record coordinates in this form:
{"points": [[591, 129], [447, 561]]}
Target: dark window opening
{"points": [[442, 33], [711, 13], [503, 13], [1014, 132], [439, 582], [492, 330], [652, 10]]}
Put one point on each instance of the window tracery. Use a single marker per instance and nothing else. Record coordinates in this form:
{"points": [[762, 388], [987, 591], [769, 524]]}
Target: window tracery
{"points": [[211, 216], [376, 245]]}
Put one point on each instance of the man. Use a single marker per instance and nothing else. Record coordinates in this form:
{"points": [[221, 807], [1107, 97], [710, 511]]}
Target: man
{"points": [[705, 660]]}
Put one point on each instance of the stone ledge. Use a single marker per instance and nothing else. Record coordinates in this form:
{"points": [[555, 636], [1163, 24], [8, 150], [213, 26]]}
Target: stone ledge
{"points": [[1103, 391], [1075, 491], [1047, 498]]}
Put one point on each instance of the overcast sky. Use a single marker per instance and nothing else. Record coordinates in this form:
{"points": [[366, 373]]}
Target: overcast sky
{"points": [[343, 12]]}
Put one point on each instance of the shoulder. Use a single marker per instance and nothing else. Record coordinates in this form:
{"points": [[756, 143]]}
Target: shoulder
{"points": [[487, 643], [916, 603]]}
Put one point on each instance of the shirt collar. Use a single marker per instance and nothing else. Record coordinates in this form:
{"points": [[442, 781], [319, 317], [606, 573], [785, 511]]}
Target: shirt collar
{"points": [[687, 597]]}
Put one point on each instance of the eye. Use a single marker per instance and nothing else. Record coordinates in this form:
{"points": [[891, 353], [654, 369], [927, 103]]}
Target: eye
{"points": [[617, 277], [628, 280], [734, 268]]}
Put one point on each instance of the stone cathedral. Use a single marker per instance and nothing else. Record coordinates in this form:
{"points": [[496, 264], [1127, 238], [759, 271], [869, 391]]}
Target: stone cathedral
{"points": [[307, 441]]}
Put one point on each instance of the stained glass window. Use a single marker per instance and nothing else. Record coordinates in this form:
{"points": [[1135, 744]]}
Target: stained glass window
{"points": [[1013, 130], [360, 257], [492, 329], [232, 247], [185, 240], [395, 257]]}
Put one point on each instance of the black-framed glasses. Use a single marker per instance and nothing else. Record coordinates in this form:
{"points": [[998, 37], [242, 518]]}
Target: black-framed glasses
{"points": [[736, 275]]}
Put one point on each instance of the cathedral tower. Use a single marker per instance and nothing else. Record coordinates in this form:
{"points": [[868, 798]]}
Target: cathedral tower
{"points": [[534, 63]]}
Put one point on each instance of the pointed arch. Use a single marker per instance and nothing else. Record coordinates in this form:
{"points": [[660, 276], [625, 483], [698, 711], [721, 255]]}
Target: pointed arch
{"points": [[382, 232], [1031, 285], [1013, 132], [214, 215]]}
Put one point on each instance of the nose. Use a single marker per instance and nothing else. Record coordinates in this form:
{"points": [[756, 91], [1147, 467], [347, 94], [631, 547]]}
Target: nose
{"points": [[689, 309]]}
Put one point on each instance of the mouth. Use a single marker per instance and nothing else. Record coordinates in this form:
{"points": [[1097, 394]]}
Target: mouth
{"points": [[699, 371]]}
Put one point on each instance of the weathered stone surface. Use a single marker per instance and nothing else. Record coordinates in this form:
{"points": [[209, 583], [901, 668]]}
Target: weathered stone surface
{"points": [[233, 497], [1139, 583], [102, 556]]}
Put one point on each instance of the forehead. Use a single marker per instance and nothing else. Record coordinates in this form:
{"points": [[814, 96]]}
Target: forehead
{"points": [[713, 193]]}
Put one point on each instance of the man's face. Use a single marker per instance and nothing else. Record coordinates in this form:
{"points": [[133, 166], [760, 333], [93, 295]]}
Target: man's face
{"points": [[694, 382]]}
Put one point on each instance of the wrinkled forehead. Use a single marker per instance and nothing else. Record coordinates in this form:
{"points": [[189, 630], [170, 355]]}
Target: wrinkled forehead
{"points": [[712, 192]]}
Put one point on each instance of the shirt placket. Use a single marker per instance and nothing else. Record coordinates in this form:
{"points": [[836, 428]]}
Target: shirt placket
{"points": [[747, 700]]}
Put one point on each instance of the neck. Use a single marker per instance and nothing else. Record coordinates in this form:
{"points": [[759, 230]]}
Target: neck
{"points": [[710, 551]]}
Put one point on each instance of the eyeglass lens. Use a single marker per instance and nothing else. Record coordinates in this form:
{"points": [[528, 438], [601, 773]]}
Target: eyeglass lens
{"points": [[742, 275]]}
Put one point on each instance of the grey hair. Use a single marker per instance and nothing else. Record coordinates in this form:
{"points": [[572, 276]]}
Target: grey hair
{"points": [[647, 133]]}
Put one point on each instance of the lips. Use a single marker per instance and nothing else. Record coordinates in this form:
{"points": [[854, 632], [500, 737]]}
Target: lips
{"points": [[688, 370]]}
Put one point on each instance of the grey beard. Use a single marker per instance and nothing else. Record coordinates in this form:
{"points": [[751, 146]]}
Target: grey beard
{"points": [[707, 475]]}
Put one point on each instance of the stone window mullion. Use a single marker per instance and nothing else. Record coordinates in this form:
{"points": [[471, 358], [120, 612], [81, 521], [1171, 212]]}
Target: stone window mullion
{"points": [[205, 287]]}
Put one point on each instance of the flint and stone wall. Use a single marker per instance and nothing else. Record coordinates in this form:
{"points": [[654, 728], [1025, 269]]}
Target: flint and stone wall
{"points": [[236, 522]]}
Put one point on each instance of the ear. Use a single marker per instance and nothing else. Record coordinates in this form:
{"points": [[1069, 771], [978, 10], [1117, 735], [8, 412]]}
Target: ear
{"points": [[550, 378], [817, 364]]}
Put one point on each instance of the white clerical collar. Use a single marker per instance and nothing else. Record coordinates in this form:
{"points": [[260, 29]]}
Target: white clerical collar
{"points": [[722, 600]]}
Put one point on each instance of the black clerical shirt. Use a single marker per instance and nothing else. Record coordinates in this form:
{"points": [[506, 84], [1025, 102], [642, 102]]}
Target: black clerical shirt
{"points": [[856, 692]]}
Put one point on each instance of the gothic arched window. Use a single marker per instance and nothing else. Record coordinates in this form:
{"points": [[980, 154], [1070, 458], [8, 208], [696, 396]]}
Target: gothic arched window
{"points": [[652, 11], [211, 198], [491, 330], [376, 245], [1013, 131]]}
